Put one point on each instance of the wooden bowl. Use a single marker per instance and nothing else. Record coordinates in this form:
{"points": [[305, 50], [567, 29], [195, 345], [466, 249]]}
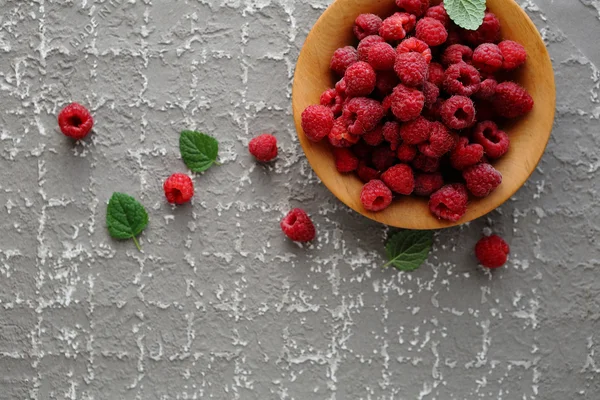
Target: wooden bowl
{"points": [[529, 134]]}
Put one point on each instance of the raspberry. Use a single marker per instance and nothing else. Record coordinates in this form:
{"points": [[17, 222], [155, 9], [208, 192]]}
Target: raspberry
{"points": [[374, 137], [362, 150], [391, 133], [339, 135], [431, 31], [406, 153], [345, 160], [457, 53], [513, 53], [453, 37], [340, 87], [387, 104], [178, 188], [317, 122], [449, 202], [263, 147], [462, 79], [360, 79], [495, 142], [381, 56], [487, 57], [482, 179], [383, 158], [386, 82], [397, 26], [439, 13], [512, 100], [75, 121], [411, 68], [362, 115], [416, 7], [297, 226], [465, 155], [365, 45], [416, 131], [426, 164], [487, 89], [458, 112], [332, 100], [436, 74], [343, 58], [365, 25], [407, 103], [431, 93], [375, 196], [488, 32], [492, 251], [440, 141], [426, 184], [399, 179], [366, 173], [415, 45]]}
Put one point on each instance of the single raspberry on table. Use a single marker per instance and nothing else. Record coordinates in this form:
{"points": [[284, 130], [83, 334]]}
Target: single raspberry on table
{"points": [[462, 79], [436, 74], [298, 226], [383, 158], [426, 164], [457, 53], [439, 12], [400, 179], [492, 251], [411, 68], [482, 179], [345, 160], [416, 131], [374, 137], [375, 196], [366, 173], [343, 58], [366, 25], [360, 79], [406, 153], [365, 44], [458, 112], [449, 202], [397, 26], [413, 44], [431, 31], [514, 54], [391, 133], [439, 143], [339, 135], [386, 82], [495, 142], [416, 7], [431, 93], [512, 100], [179, 189], [332, 100], [488, 31], [465, 154], [487, 89], [487, 57], [317, 122], [362, 115], [426, 184], [407, 103], [381, 56], [263, 147], [75, 121]]}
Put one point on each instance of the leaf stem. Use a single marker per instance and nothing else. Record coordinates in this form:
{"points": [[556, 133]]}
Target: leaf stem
{"points": [[136, 243], [218, 164], [387, 264]]}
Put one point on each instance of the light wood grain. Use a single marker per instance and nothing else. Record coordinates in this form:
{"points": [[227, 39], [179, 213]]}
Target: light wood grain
{"points": [[529, 135]]}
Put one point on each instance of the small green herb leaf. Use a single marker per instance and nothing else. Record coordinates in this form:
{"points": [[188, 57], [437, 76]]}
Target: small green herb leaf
{"points": [[125, 217], [467, 14], [199, 151], [407, 250]]}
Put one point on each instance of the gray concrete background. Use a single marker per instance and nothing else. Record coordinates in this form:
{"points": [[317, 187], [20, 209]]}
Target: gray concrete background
{"points": [[219, 305]]}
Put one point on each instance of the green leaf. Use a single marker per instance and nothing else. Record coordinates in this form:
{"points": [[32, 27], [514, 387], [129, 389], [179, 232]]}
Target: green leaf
{"points": [[199, 151], [407, 250], [125, 217], [467, 14]]}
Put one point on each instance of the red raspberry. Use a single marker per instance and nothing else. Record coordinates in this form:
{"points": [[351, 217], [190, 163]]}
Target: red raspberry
{"points": [[383, 158], [413, 44], [426, 184], [362, 115], [333, 101], [426, 164], [340, 88], [487, 57], [453, 37], [374, 137], [458, 112], [416, 131], [431, 93], [345, 160], [317, 122], [482, 179], [366, 173], [263, 147], [381, 56], [512, 100], [406, 153], [495, 142], [513, 53], [75, 121], [449, 202], [360, 79], [391, 133], [488, 32], [487, 89], [179, 189], [457, 53], [375, 196], [365, 45], [440, 141], [343, 58], [407, 103], [366, 25], [439, 13], [416, 7], [492, 251], [436, 74], [339, 135], [411, 68], [484, 110], [462, 79], [397, 26], [387, 104], [362, 150], [399, 179], [297, 226], [386, 82], [431, 31], [465, 155]]}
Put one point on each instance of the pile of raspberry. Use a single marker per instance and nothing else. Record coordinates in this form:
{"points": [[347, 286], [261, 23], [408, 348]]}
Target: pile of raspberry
{"points": [[417, 107]]}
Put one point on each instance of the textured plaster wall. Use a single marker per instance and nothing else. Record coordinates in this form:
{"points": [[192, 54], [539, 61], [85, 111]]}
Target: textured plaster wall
{"points": [[219, 305]]}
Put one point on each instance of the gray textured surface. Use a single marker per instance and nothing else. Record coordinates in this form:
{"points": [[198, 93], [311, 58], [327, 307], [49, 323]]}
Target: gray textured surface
{"points": [[220, 305]]}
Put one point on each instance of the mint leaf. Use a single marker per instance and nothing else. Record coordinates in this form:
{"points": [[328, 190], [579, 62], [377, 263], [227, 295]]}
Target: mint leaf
{"points": [[199, 151], [125, 217], [467, 14], [407, 250]]}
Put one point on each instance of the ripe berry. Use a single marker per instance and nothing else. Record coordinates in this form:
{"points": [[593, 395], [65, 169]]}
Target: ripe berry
{"points": [[399, 179], [397, 26], [450, 202], [374, 137], [426, 184], [416, 7], [431, 93], [365, 25], [383, 158], [439, 143], [407, 103], [512, 100], [482, 179], [75, 121], [381, 56], [416, 131], [365, 45], [360, 79], [487, 57], [413, 44], [465, 155], [339, 135], [263, 147], [487, 89], [439, 13], [317, 122], [345, 160], [179, 189], [406, 153], [391, 133], [457, 53], [362, 115], [375, 196], [458, 112], [386, 82], [411, 68], [462, 79], [492, 251], [297, 226], [514, 54], [332, 100], [431, 31], [366, 173], [488, 32], [436, 74], [343, 58], [495, 142]]}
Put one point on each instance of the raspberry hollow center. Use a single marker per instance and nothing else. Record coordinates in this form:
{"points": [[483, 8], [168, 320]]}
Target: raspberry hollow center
{"points": [[379, 201], [75, 121], [461, 114]]}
